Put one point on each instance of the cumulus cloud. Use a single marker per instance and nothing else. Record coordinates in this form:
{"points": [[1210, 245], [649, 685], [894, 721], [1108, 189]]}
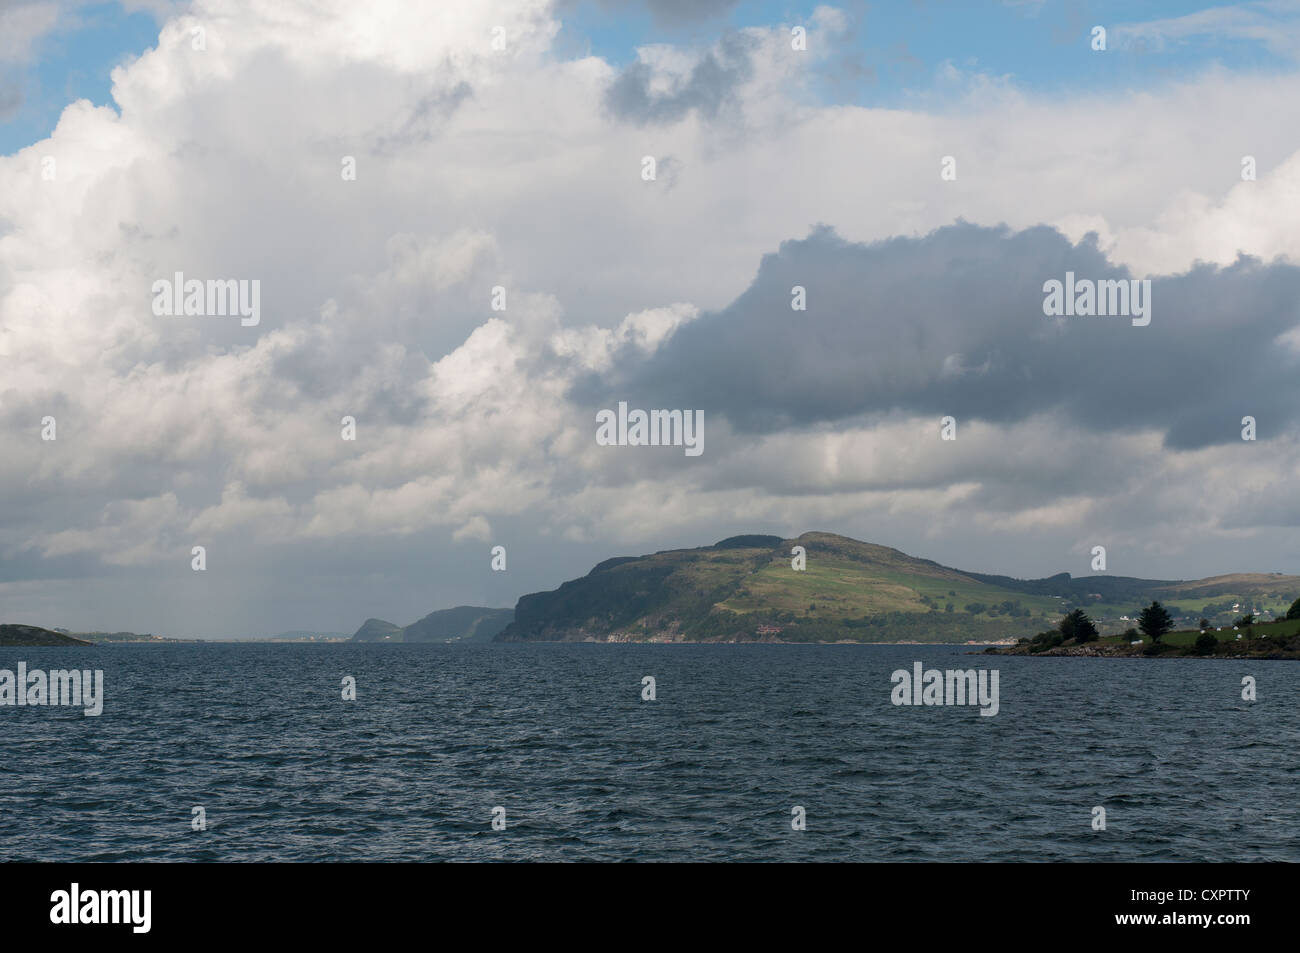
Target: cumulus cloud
{"points": [[954, 322]]}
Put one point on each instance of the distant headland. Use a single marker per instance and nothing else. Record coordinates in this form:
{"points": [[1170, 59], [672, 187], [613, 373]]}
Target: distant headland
{"points": [[33, 635], [820, 587]]}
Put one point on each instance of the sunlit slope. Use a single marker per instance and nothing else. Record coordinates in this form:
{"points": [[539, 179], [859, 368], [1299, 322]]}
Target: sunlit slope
{"points": [[846, 579], [746, 588]]}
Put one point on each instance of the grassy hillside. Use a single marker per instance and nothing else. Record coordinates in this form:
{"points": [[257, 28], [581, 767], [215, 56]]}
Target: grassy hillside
{"points": [[745, 588]]}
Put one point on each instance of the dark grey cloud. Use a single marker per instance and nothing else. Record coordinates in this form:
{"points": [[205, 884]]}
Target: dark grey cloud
{"points": [[711, 85], [953, 323]]}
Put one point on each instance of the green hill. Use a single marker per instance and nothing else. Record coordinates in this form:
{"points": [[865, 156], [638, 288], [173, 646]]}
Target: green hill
{"points": [[745, 589], [463, 623], [29, 635]]}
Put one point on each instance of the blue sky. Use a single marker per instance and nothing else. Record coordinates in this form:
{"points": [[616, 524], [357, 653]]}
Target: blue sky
{"points": [[898, 47]]}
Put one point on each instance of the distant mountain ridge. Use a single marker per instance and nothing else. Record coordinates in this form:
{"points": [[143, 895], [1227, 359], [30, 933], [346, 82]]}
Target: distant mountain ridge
{"points": [[745, 588], [459, 624]]}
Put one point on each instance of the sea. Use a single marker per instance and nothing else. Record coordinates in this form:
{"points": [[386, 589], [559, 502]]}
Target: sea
{"points": [[558, 752]]}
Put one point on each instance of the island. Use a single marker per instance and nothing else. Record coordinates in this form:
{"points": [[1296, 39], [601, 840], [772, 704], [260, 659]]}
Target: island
{"points": [[825, 588], [34, 635]]}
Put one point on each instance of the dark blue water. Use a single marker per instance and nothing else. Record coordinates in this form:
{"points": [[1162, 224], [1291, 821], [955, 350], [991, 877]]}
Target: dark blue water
{"points": [[558, 735]]}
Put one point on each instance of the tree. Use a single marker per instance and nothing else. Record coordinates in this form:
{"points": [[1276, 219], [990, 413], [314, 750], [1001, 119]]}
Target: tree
{"points": [[1206, 643], [1294, 611], [1155, 621], [1076, 625], [1205, 623], [1247, 619]]}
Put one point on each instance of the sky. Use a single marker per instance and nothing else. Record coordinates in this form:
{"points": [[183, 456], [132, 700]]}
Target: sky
{"points": [[457, 245]]}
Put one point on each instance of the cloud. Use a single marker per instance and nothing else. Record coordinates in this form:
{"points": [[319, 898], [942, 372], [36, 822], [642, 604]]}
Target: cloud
{"points": [[22, 25], [1274, 24], [646, 92], [953, 323], [11, 98]]}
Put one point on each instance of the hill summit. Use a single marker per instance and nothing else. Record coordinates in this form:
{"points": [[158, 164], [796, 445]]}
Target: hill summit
{"points": [[762, 588]]}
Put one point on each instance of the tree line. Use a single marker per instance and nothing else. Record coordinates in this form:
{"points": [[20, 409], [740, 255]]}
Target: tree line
{"points": [[1154, 622]]}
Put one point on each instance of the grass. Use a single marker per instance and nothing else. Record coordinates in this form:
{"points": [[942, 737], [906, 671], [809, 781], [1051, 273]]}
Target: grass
{"points": [[848, 590], [1184, 637]]}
